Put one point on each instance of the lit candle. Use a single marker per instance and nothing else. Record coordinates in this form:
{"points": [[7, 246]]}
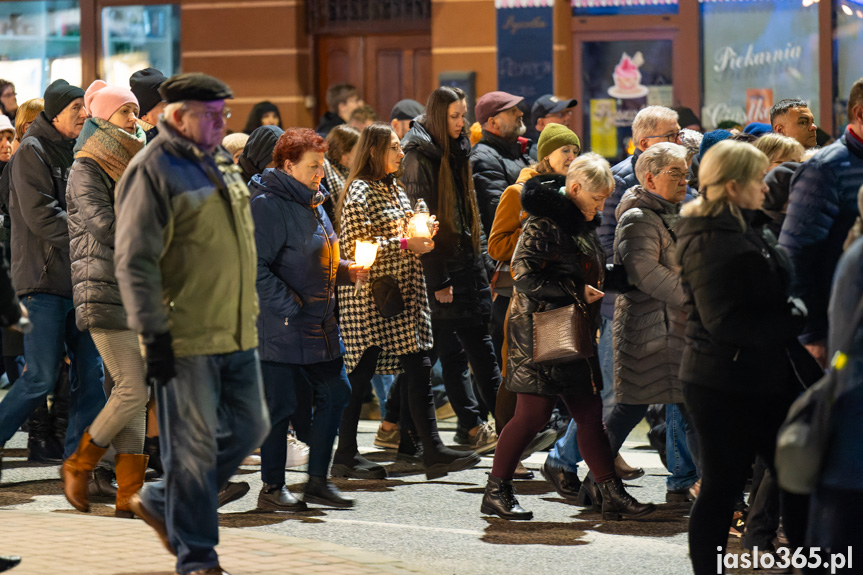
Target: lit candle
{"points": [[364, 256], [418, 226]]}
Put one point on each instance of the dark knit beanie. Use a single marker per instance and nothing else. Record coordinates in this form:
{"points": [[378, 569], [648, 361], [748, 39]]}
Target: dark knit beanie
{"points": [[145, 85], [59, 95]]}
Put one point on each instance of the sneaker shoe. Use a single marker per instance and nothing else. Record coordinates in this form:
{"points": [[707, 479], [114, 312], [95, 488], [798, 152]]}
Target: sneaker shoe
{"points": [[388, 439], [298, 453], [445, 411], [485, 439], [738, 524]]}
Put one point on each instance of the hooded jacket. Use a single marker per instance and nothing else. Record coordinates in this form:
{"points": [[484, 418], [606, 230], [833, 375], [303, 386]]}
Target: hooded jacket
{"points": [[650, 320], [453, 262], [298, 269], [557, 254], [495, 164], [37, 207], [741, 335]]}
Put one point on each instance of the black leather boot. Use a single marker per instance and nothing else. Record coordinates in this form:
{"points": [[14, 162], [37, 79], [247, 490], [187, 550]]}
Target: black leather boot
{"points": [[410, 448], [42, 447], [499, 499], [589, 494], [320, 491], [444, 460], [566, 483], [357, 467], [617, 503], [151, 448], [278, 498]]}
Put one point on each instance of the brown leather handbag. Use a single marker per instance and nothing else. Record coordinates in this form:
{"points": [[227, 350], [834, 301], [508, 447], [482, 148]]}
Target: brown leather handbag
{"points": [[563, 335]]}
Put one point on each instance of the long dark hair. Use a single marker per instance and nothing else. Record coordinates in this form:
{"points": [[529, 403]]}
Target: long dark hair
{"points": [[369, 163], [257, 114], [436, 124]]}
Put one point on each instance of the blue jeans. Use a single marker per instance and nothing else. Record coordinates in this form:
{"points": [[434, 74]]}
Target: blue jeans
{"points": [[331, 390], [605, 352], [54, 335], [382, 384], [211, 416], [565, 452], [681, 448]]}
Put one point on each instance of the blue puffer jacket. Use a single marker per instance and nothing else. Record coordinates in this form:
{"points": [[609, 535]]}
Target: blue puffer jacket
{"points": [[822, 208], [624, 178], [298, 270]]}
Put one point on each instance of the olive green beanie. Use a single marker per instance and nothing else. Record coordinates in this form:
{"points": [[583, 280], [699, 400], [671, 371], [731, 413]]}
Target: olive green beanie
{"points": [[555, 136]]}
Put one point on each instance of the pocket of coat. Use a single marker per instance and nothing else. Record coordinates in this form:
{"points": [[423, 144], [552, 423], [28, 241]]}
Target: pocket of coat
{"points": [[48, 259]]}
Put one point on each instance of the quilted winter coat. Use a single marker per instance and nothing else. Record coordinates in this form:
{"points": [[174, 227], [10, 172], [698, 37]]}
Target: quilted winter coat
{"points": [[650, 320], [557, 254], [371, 210]]}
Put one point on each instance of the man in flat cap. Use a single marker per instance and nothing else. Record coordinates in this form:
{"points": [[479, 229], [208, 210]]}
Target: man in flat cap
{"points": [[41, 273], [186, 266], [402, 114]]}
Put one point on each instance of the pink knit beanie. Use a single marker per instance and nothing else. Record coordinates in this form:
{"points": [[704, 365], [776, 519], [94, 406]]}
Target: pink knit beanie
{"points": [[102, 100]]}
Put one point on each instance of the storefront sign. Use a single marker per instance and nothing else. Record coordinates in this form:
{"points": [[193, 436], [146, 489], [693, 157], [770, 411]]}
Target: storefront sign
{"points": [[525, 58], [755, 54]]}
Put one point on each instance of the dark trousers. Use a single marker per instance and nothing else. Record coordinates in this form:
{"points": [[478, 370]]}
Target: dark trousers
{"points": [[416, 399], [622, 420], [532, 413], [331, 392], [732, 429], [457, 348], [763, 519]]}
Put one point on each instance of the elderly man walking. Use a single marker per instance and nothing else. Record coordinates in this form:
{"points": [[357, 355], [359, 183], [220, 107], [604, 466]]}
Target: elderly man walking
{"points": [[186, 266]]}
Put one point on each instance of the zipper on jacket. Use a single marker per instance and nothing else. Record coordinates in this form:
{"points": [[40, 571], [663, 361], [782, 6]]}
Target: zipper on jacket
{"points": [[48, 260], [592, 380], [329, 279]]}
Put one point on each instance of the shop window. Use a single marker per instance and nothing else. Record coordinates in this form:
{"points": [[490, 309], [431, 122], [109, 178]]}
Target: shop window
{"points": [[756, 53], [849, 47], [39, 43], [137, 37], [623, 7]]}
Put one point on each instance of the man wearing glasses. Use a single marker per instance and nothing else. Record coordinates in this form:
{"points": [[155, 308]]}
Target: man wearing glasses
{"points": [[186, 265]]}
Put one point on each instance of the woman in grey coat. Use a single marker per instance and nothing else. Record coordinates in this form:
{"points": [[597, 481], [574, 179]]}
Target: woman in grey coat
{"points": [[649, 321]]}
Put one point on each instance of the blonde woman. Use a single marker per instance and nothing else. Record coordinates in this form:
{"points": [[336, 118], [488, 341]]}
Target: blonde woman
{"points": [[785, 155], [741, 337]]}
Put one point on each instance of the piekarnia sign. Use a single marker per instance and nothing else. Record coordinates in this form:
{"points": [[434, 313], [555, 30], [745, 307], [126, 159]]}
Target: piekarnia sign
{"points": [[729, 59]]}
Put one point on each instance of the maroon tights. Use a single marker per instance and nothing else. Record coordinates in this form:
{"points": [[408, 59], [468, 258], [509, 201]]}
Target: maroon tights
{"points": [[532, 413]]}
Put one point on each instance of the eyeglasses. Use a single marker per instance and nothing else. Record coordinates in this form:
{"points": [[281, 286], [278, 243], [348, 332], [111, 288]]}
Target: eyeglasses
{"points": [[13, 94], [396, 148], [213, 115], [677, 175], [670, 136]]}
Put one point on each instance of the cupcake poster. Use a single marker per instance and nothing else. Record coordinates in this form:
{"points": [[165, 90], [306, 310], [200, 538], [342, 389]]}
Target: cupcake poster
{"points": [[627, 78]]}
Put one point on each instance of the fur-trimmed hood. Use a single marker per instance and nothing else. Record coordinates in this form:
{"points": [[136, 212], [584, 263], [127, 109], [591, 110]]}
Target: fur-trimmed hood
{"points": [[543, 196]]}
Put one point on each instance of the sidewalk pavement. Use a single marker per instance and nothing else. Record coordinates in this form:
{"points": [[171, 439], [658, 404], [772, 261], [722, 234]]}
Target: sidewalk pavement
{"points": [[74, 543]]}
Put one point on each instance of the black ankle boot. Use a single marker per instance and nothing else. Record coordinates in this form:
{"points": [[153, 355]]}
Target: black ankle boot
{"points": [[42, 446], [151, 448], [499, 499], [589, 494], [410, 448], [320, 491], [617, 503], [358, 467], [444, 460]]}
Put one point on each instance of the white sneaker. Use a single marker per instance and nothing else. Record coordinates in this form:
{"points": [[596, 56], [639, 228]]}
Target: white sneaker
{"points": [[298, 453]]}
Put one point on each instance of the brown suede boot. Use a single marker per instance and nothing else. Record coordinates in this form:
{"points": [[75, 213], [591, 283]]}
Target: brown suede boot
{"points": [[76, 472], [130, 469]]}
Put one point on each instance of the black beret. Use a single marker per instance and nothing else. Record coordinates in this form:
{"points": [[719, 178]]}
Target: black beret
{"points": [[145, 85], [194, 86]]}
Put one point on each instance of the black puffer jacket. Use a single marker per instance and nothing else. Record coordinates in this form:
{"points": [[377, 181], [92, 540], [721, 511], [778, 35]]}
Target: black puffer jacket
{"points": [[37, 205], [496, 164], [453, 261], [90, 199], [741, 335], [557, 254]]}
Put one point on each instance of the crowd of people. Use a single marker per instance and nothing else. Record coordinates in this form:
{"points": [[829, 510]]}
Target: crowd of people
{"points": [[219, 288]]}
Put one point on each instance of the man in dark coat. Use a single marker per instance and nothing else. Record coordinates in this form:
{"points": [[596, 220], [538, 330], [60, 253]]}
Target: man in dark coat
{"points": [[41, 270], [821, 210], [342, 100], [498, 157]]}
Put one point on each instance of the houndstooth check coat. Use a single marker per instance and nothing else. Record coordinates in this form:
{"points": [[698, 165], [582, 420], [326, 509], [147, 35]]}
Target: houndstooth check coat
{"points": [[380, 210]]}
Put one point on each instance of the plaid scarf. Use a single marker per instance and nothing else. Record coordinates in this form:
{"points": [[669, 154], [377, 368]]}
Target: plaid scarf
{"points": [[110, 146]]}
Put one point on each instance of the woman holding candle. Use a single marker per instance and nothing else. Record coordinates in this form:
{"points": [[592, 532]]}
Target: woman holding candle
{"points": [[436, 169], [387, 327], [299, 266]]}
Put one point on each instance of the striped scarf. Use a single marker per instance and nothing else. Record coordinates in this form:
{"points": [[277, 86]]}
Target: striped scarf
{"points": [[111, 147]]}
